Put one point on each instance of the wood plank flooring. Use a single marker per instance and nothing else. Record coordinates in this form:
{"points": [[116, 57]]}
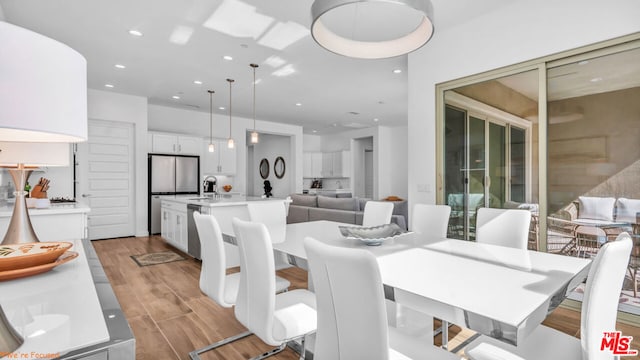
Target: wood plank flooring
{"points": [[170, 317]]}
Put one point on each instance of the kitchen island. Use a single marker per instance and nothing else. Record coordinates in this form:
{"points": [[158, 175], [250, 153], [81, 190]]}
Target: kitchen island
{"points": [[58, 222], [69, 312], [178, 228]]}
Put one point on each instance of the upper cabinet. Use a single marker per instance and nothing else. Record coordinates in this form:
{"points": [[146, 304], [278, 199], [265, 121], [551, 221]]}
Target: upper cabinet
{"points": [[312, 165], [335, 164], [174, 144], [221, 161]]}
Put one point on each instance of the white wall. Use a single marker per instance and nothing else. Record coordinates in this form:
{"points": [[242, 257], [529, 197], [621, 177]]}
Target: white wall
{"points": [[163, 118], [103, 105], [270, 147], [390, 152], [522, 31]]}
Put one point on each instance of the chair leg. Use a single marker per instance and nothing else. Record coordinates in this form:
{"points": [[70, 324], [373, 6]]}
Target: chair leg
{"points": [[270, 352], [444, 330], [302, 350], [195, 354]]}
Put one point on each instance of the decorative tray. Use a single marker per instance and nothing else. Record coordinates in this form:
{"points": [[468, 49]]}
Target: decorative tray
{"points": [[27, 255], [374, 235], [38, 269]]}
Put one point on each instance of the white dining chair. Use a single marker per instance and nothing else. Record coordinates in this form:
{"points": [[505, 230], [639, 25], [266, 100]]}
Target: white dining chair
{"points": [[599, 311], [377, 213], [504, 227], [271, 213], [352, 320], [274, 215], [431, 220], [275, 319], [214, 282]]}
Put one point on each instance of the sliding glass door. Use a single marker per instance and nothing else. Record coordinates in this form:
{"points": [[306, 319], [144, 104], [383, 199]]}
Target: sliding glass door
{"points": [[480, 155]]}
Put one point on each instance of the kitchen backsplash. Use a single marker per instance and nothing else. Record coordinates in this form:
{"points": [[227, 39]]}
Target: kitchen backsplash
{"points": [[329, 184]]}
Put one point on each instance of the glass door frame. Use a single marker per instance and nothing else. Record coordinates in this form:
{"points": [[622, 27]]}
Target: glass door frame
{"points": [[541, 64], [489, 115]]}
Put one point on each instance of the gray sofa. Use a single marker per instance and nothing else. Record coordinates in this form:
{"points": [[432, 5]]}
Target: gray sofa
{"points": [[350, 210]]}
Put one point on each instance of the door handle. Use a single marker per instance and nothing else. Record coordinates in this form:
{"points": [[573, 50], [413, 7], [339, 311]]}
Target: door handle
{"points": [[488, 181], [86, 195]]}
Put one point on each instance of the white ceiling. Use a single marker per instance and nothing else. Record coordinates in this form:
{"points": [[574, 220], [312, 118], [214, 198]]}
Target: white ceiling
{"points": [[184, 40]]}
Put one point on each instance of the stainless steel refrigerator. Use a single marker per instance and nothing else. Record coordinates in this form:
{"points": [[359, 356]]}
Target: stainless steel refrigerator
{"points": [[170, 175]]}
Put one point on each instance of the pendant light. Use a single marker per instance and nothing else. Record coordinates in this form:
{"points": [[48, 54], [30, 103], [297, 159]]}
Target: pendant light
{"points": [[212, 148], [254, 134], [230, 143]]}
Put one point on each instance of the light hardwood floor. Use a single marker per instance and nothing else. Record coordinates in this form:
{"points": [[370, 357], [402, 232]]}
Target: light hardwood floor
{"points": [[170, 317]]}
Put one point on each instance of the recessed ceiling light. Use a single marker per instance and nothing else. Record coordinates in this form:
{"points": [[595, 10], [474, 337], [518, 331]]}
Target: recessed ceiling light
{"points": [[176, 97], [197, 82], [596, 79], [110, 86], [120, 66], [298, 104], [135, 33], [221, 108], [227, 57], [397, 71], [314, 131], [376, 119]]}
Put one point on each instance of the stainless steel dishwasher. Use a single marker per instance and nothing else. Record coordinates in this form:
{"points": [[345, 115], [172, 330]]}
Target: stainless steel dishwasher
{"points": [[193, 240]]}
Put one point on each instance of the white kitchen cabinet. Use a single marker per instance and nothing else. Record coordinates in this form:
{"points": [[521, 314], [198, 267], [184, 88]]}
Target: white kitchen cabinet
{"points": [[221, 161], [175, 144], [174, 224], [57, 223], [312, 165], [336, 164]]}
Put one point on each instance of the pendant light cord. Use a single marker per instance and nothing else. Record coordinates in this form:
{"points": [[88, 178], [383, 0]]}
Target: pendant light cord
{"points": [[230, 104], [210, 116]]}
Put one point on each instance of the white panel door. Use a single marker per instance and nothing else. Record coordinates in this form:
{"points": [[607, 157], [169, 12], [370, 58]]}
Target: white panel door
{"points": [[106, 179]]}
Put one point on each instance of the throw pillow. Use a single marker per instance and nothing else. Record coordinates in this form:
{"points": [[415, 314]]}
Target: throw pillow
{"points": [[597, 208]]}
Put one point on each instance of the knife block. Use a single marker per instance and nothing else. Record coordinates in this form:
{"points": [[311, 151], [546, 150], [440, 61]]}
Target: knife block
{"points": [[37, 192]]}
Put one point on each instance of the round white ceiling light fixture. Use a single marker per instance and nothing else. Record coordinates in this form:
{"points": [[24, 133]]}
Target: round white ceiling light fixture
{"points": [[372, 29]]}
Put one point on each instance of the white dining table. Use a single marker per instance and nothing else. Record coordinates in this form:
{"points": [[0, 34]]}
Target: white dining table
{"points": [[501, 292]]}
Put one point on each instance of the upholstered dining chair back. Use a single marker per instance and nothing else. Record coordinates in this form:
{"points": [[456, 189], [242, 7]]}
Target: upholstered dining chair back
{"points": [[377, 213], [256, 294], [352, 321], [213, 270], [431, 220], [602, 294], [271, 213], [504, 227]]}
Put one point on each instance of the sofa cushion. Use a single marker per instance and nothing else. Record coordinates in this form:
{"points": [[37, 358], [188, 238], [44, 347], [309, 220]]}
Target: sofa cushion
{"points": [[304, 200], [344, 216], [627, 210], [297, 214], [598, 208], [337, 203]]}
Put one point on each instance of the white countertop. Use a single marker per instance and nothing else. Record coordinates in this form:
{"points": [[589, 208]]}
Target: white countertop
{"points": [[234, 200], [56, 312], [59, 208]]}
